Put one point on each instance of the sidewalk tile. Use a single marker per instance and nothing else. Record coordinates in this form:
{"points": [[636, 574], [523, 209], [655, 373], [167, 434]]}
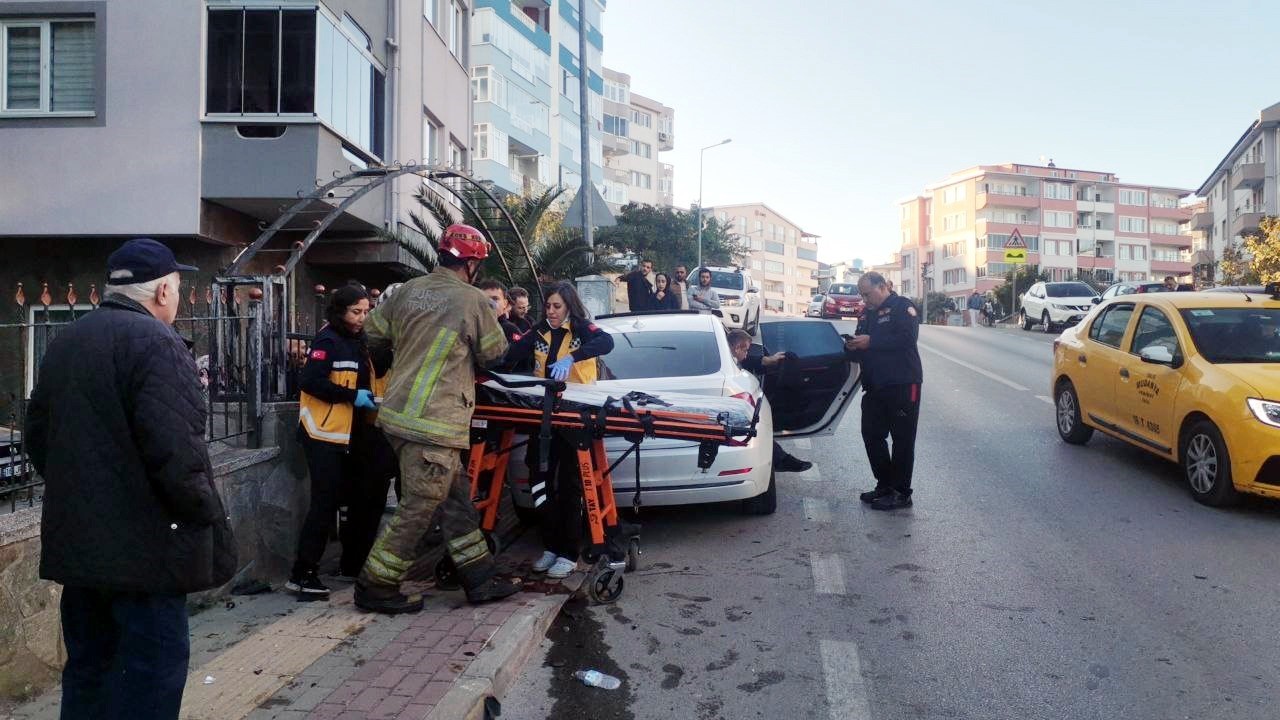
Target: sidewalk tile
{"points": [[412, 684], [390, 707], [432, 693]]}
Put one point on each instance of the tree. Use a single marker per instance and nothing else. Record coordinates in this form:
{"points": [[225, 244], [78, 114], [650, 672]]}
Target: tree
{"points": [[1234, 267], [1264, 247], [669, 237], [1026, 275]]}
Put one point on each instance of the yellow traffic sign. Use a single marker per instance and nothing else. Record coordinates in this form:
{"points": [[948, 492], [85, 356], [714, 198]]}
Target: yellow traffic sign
{"points": [[1015, 256]]}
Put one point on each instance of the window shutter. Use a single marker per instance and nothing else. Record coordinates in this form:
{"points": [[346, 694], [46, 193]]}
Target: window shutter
{"points": [[23, 62], [73, 73]]}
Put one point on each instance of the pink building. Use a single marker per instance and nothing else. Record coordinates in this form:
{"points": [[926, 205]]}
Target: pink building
{"points": [[1075, 223]]}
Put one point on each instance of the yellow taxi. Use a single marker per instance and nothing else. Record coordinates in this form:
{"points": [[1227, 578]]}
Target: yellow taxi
{"points": [[1193, 377]]}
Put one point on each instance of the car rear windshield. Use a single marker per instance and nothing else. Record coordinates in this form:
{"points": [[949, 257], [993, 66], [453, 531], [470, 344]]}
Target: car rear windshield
{"points": [[657, 354], [1235, 335], [1069, 289], [728, 279], [842, 290]]}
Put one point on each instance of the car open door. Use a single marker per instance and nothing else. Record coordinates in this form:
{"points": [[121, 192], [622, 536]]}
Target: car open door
{"points": [[813, 388]]}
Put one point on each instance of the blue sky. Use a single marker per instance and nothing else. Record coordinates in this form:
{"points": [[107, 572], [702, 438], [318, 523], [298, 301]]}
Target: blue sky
{"points": [[839, 108]]}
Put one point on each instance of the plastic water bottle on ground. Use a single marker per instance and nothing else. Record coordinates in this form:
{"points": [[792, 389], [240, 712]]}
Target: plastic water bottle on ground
{"points": [[595, 678]]}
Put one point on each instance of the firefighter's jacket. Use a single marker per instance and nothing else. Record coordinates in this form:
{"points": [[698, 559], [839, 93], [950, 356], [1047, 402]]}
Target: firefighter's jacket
{"points": [[440, 330], [336, 367], [581, 339]]}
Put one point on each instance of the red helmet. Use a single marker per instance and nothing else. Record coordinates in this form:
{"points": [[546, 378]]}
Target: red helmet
{"points": [[464, 242]]}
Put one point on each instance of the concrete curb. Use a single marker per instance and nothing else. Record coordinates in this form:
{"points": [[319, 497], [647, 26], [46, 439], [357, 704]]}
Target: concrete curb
{"points": [[499, 665]]}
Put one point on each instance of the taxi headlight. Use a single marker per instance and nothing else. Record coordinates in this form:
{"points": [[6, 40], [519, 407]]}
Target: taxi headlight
{"points": [[1266, 411]]}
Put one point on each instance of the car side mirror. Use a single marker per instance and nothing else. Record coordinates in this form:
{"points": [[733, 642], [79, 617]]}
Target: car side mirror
{"points": [[752, 289], [1097, 300], [1156, 355]]}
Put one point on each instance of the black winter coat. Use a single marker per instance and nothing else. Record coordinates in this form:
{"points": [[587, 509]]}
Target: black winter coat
{"points": [[116, 429]]}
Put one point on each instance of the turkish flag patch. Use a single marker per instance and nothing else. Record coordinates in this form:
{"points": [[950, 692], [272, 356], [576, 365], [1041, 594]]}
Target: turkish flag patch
{"points": [[319, 354], [592, 327]]}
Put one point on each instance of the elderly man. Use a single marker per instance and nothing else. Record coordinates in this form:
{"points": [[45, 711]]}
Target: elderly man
{"points": [[131, 519]]}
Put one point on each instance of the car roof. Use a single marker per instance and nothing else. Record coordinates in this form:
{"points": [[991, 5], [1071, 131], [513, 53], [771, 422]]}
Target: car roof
{"points": [[674, 321], [1184, 300]]}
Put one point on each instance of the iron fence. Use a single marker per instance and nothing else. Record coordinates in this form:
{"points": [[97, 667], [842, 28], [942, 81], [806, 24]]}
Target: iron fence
{"points": [[224, 334]]}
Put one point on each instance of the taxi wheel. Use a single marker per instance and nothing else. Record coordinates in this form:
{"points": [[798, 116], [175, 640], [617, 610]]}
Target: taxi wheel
{"points": [[1207, 466], [1067, 410]]}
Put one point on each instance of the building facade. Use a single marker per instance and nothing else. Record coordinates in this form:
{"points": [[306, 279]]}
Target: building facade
{"points": [[783, 258], [525, 72], [636, 129], [1076, 224], [1235, 197]]}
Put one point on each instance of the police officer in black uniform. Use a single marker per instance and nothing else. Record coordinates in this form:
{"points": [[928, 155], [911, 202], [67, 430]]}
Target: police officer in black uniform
{"points": [[885, 346]]}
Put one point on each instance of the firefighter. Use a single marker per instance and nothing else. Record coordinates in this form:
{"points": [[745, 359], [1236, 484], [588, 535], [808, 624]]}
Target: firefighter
{"points": [[885, 346], [440, 329]]}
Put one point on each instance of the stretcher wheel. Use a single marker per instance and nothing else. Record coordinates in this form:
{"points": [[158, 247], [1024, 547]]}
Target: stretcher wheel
{"points": [[633, 554], [604, 584]]}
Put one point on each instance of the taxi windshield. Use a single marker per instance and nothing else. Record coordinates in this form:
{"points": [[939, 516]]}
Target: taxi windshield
{"points": [[1235, 335]]}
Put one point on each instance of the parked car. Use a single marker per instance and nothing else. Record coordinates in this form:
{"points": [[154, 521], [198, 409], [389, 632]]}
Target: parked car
{"points": [[815, 306], [739, 298], [1191, 377], [1056, 304], [841, 300], [1131, 287], [689, 352]]}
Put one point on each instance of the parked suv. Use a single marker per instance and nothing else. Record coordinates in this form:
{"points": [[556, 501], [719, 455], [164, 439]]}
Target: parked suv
{"points": [[1056, 304], [739, 297]]}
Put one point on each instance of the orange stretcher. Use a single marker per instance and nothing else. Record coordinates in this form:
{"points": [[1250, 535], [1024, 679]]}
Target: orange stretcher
{"points": [[510, 405]]}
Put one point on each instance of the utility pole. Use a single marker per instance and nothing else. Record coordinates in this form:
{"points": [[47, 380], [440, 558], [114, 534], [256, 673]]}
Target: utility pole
{"points": [[584, 123]]}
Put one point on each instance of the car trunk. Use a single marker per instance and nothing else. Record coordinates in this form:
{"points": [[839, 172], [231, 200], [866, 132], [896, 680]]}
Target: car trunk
{"points": [[706, 385]]}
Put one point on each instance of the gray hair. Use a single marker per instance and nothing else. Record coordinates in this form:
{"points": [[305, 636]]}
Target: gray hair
{"points": [[873, 279], [144, 292]]}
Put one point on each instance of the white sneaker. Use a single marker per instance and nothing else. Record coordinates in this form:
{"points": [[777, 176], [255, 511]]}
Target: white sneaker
{"points": [[562, 568], [545, 562]]}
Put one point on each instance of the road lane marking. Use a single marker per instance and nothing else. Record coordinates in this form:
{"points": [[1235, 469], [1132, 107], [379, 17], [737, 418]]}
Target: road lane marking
{"points": [[828, 573], [798, 443], [817, 510], [846, 690], [1045, 398], [975, 368]]}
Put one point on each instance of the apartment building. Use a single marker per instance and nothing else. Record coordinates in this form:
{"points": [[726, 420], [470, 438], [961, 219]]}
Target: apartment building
{"points": [[196, 122], [636, 129], [525, 72], [1235, 197], [783, 258], [1074, 222]]}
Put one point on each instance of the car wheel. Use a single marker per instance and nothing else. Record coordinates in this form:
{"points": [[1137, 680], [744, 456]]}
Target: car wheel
{"points": [[1046, 325], [765, 503], [1067, 411], [1207, 465], [1026, 321], [753, 325]]}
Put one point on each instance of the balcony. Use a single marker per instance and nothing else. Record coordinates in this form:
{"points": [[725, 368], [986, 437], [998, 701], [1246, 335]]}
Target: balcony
{"points": [[1200, 257], [615, 145], [1245, 222], [1202, 220], [1003, 200], [666, 140], [1165, 212], [1248, 175]]}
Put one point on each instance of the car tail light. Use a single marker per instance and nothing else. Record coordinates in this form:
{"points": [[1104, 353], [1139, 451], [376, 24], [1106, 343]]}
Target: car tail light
{"points": [[746, 396], [739, 471]]}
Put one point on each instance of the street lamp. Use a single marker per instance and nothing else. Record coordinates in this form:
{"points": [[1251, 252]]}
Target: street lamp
{"points": [[700, 154]]}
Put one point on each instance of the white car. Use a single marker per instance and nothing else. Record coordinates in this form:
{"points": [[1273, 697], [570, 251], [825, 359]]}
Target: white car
{"points": [[739, 298], [1056, 304], [689, 353]]}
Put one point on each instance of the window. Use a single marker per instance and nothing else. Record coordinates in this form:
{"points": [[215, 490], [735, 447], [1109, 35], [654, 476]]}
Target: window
{"points": [[490, 143], [641, 149], [776, 248], [1133, 197], [1164, 201], [47, 66], [456, 29], [773, 266], [1011, 217], [430, 12], [488, 86], [996, 241], [1108, 328], [527, 60], [953, 194], [1059, 219], [614, 91], [1133, 224], [641, 180], [1164, 227], [431, 141], [1164, 253], [664, 186], [662, 354], [615, 125], [641, 118], [1132, 252], [1155, 330], [1057, 248], [806, 254], [955, 277], [245, 73], [457, 156], [1057, 191], [955, 221]]}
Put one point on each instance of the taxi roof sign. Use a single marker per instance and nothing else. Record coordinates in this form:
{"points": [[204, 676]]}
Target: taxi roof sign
{"points": [[1015, 241]]}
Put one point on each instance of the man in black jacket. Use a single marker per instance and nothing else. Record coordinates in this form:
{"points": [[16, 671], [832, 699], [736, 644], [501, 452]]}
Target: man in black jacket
{"points": [[640, 289], [885, 346], [131, 520]]}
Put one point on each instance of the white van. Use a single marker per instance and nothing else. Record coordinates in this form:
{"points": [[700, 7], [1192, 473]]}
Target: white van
{"points": [[739, 297]]}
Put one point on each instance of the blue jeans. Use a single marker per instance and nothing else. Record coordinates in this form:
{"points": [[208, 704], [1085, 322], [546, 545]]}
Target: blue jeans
{"points": [[127, 654]]}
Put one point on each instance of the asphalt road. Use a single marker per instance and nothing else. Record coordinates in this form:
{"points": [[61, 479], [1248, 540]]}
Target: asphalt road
{"points": [[1031, 580]]}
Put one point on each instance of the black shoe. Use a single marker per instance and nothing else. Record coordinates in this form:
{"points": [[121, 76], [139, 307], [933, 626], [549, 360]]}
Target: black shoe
{"points": [[873, 495], [492, 589], [387, 600], [791, 463], [307, 585], [891, 501]]}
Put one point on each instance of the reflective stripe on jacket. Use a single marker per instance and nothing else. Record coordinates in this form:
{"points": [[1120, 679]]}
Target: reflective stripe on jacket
{"points": [[585, 342], [440, 329], [326, 402]]}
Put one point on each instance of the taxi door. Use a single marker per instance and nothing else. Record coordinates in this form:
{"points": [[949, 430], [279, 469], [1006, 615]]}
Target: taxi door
{"points": [[1098, 364], [1147, 387]]}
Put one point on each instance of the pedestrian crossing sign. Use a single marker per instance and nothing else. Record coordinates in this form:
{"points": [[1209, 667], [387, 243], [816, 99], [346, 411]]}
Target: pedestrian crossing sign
{"points": [[1015, 249], [1015, 241]]}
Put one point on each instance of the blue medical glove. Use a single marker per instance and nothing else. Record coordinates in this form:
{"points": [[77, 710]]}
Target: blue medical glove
{"points": [[560, 368], [364, 399]]}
